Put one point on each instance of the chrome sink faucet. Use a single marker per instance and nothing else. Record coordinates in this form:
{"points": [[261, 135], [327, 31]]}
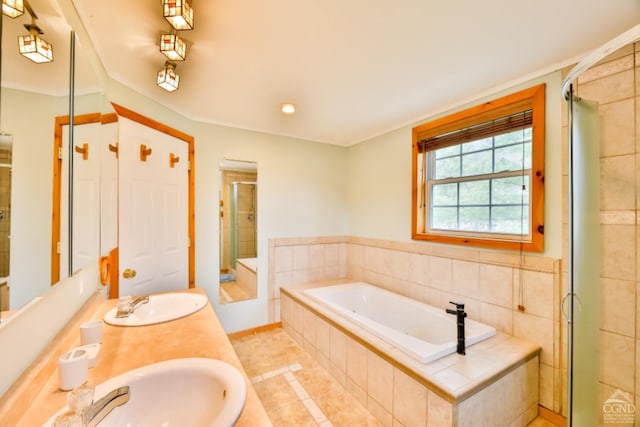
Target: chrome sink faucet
{"points": [[127, 305], [99, 409]]}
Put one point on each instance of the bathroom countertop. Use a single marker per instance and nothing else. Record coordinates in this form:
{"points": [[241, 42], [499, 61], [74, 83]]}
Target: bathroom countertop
{"points": [[126, 348]]}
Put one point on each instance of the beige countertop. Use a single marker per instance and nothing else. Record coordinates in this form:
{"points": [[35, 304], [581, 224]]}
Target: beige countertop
{"points": [[123, 349]]}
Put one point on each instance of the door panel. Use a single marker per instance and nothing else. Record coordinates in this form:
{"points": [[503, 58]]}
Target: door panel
{"points": [[153, 217], [86, 197]]}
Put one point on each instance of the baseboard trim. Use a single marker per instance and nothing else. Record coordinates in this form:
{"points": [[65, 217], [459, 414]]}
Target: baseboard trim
{"points": [[240, 334], [551, 416]]}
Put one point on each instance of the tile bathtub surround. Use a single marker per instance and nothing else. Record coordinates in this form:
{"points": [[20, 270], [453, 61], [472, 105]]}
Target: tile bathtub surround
{"points": [[497, 380], [491, 284]]}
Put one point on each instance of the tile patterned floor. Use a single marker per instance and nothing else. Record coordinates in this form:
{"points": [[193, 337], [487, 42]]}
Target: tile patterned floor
{"points": [[295, 390]]}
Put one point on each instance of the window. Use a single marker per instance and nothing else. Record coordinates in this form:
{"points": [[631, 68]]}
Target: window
{"points": [[478, 175]]}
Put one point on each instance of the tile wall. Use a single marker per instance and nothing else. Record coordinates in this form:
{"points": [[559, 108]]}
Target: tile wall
{"points": [[491, 284], [396, 398], [615, 84]]}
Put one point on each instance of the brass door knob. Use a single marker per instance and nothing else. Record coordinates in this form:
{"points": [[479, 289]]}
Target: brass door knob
{"points": [[129, 273]]}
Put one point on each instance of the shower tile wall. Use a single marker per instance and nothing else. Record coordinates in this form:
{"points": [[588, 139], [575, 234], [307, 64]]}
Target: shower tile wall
{"points": [[491, 284], [615, 84]]}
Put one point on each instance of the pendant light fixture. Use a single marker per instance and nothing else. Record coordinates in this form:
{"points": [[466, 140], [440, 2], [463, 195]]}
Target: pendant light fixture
{"points": [[12, 8], [167, 77], [173, 47], [34, 47], [179, 14]]}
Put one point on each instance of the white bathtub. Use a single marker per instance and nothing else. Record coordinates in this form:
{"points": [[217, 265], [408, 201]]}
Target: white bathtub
{"points": [[250, 263], [423, 332]]}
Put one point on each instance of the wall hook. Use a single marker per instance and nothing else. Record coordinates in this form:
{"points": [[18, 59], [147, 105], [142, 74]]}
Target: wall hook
{"points": [[84, 150], [144, 152], [114, 149], [173, 159]]}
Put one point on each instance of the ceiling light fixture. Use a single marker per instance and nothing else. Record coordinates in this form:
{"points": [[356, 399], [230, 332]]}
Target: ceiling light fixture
{"points": [[173, 47], [179, 14], [288, 108], [167, 77], [12, 8], [34, 47]]}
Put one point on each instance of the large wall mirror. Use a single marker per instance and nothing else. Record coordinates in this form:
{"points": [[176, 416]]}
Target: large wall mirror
{"points": [[238, 230], [32, 96]]}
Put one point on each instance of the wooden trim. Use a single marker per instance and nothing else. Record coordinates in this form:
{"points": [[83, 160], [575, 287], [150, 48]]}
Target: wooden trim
{"points": [[108, 118], [161, 127], [551, 416], [61, 121], [56, 194], [252, 331], [114, 283], [534, 98], [143, 120]]}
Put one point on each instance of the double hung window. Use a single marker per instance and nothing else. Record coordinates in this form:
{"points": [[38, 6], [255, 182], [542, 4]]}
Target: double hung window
{"points": [[478, 175]]}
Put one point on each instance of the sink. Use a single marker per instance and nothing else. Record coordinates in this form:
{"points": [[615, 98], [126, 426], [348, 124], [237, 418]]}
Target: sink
{"points": [[160, 308], [178, 392]]}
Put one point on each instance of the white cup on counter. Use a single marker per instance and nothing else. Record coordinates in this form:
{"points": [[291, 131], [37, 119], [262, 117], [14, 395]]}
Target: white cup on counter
{"points": [[91, 332]]}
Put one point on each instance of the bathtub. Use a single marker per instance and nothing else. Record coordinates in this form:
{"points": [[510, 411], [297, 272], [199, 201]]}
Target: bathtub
{"points": [[423, 332], [246, 275], [250, 263]]}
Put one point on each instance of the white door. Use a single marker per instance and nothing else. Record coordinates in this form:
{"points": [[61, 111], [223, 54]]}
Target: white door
{"points": [[153, 214], [86, 196]]}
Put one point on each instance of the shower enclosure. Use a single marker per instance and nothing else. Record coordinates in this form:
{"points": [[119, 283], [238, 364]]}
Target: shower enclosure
{"points": [[602, 244], [242, 242], [238, 230]]}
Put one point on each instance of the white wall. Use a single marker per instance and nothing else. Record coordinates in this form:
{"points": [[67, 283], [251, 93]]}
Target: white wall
{"points": [[301, 192], [29, 117], [379, 175]]}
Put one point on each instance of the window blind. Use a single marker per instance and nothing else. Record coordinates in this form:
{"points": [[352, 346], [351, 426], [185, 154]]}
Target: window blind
{"points": [[478, 131]]}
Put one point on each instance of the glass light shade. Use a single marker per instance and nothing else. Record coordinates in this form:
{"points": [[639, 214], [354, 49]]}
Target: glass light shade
{"points": [[173, 47], [12, 8], [35, 48], [179, 14], [168, 79]]}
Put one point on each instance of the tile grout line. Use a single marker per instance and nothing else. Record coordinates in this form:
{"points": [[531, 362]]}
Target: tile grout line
{"points": [[310, 405]]}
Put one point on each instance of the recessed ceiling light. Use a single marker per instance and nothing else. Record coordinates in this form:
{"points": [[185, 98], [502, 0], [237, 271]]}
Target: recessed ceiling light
{"points": [[288, 108]]}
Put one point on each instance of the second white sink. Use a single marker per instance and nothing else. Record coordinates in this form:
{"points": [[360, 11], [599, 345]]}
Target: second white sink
{"points": [[160, 308], [179, 392]]}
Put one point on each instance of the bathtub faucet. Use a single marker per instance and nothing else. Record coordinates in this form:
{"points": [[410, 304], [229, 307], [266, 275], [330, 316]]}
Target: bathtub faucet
{"points": [[460, 315]]}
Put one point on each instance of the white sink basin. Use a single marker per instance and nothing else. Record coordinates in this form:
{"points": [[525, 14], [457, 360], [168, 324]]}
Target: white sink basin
{"points": [[160, 308], [178, 392]]}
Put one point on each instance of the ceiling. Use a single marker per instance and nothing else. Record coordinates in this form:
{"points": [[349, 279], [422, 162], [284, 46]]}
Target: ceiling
{"points": [[47, 78], [355, 69]]}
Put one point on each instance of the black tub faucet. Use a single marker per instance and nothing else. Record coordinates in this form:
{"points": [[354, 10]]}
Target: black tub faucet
{"points": [[460, 315]]}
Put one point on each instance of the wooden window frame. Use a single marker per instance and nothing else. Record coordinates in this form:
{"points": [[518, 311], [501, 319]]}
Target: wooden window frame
{"points": [[532, 98]]}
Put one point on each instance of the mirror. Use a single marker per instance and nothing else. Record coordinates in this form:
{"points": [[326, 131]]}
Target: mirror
{"points": [[238, 230], [32, 96]]}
